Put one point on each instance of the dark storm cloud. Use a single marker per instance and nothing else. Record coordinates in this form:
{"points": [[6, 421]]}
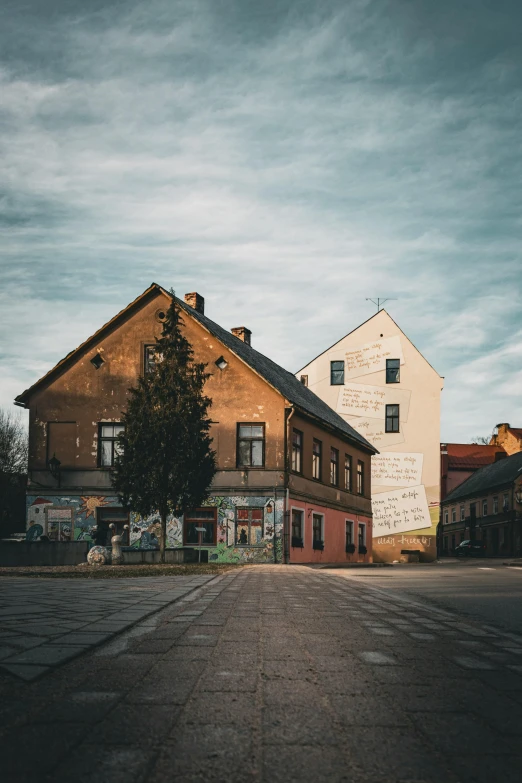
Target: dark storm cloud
{"points": [[289, 159]]}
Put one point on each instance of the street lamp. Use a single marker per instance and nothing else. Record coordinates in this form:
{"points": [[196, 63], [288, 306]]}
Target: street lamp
{"points": [[54, 467]]}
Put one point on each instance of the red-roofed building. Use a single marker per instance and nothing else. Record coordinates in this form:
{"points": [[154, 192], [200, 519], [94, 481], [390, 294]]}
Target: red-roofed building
{"points": [[508, 438], [459, 461]]}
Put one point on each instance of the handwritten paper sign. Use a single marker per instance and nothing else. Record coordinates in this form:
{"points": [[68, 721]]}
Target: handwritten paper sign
{"points": [[397, 469], [360, 399], [371, 357], [373, 430], [400, 510]]}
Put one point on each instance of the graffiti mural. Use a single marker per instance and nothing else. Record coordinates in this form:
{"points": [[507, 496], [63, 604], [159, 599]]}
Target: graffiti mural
{"points": [[248, 528]]}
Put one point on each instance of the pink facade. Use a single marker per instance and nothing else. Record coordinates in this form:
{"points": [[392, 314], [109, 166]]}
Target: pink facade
{"points": [[333, 533]]}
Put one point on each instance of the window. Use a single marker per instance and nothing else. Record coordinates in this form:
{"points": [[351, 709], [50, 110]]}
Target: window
{"points": [[336, 373], [462, 513], [150, 358], [317, 531], [349, 533], [484, 508], [360, 477], [200, 517], [317, 459], [446, 516], [362, 535], [348, 472], [304, 380], [249, 526], [505, 502], [221, 363], [334, 467], [495, 505], [453, 514], [393, 370], [297, 451], [109, 448], [250, 445], [97, 361], [392, 418], [117, 516], [297, 527]]}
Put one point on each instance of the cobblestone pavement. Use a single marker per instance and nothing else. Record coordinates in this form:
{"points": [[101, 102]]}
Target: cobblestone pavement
{"points": [[277, 674], [45, 622]]}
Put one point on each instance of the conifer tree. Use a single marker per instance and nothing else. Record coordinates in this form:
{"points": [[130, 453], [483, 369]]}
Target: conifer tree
{"points": [[166, 462]]}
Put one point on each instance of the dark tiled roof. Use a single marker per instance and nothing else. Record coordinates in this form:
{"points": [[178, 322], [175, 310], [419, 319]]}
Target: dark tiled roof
{"points": [[505, 471], [282, 380]]}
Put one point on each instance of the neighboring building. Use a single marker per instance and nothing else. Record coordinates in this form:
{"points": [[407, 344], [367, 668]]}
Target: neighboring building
{"points": [[458, 461], [382, 386], [293, 478], [508, 438], [487, 506]]}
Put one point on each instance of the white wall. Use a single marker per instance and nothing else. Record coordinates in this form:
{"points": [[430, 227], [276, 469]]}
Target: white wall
{"points": [[406, 473]]}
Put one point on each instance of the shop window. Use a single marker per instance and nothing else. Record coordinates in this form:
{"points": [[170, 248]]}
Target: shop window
{"points": [[250, 445], [200, 517], [249, 526], [297, 527]]}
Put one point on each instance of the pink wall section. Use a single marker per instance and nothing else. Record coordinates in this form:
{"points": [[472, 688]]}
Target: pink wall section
{"points": [[334, 536]]}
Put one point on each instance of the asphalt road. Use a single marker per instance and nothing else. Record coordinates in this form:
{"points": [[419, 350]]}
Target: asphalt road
{"points": [[484, 590]]}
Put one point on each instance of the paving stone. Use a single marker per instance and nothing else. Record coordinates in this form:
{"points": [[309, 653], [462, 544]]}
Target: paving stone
{"points": [[98, 764]]}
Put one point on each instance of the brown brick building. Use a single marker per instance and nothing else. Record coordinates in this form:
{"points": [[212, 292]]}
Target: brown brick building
{"points": [[487, 506], [293, 479]]}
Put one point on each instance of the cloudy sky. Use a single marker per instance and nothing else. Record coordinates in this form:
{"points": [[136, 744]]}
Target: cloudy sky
{"points": [[285, 158]]}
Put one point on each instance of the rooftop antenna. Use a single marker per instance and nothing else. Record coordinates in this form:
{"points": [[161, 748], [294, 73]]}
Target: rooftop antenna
{"points": [[379, 302]]}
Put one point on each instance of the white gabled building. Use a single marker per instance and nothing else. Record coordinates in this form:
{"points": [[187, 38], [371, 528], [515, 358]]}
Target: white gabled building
{"points": [[381, 384]]}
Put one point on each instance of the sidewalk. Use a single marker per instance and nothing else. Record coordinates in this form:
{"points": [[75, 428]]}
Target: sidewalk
{"points": [[277, 674]]}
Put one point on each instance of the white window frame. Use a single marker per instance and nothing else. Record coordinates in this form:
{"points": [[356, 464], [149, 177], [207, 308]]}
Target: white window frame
{"points": [[462, 513], [485, 505], [454, 514], [495, 504], [318, 514], [446, 517], [352, 523], [303, 523]]}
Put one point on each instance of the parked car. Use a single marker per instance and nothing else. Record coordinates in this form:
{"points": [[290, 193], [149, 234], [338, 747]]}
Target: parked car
{"points": [[470, 549]]}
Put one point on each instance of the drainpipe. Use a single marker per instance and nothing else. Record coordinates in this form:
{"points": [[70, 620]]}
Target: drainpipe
{"points": [[286, 532]]}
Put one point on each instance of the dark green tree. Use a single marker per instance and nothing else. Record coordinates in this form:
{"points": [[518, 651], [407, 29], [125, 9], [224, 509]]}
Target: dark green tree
{"points": [[166, 462]]}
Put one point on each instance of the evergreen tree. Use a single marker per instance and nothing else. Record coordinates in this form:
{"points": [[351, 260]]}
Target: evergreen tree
{"points": [[166, 463]]}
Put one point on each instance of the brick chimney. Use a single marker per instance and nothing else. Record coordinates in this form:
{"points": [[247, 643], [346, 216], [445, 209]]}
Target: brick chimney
{"points": [[243, 333], [196, 301]]}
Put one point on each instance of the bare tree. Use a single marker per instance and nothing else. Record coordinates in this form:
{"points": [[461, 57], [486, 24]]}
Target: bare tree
{"points": [[481, 440], [13, 443], [13, 469]]}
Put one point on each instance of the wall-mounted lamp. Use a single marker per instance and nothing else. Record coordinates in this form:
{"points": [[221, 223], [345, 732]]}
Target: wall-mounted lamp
{"points": [[54, 467]]}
